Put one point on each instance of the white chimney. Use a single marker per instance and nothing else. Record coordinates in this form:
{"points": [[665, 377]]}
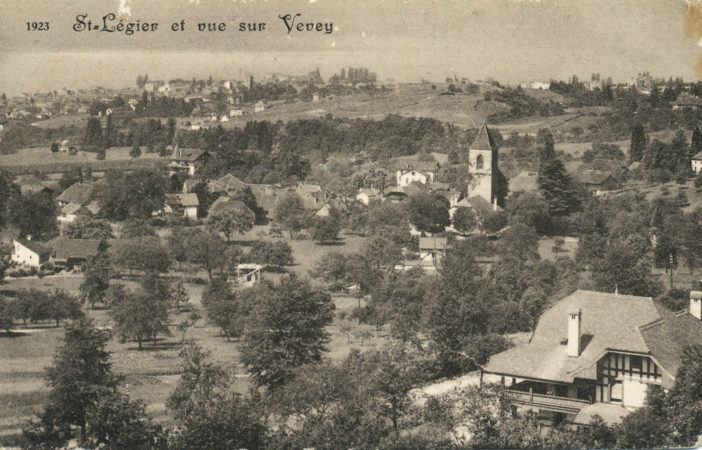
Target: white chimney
{"points": [[494, 204], [696, 304], [574, 319]]}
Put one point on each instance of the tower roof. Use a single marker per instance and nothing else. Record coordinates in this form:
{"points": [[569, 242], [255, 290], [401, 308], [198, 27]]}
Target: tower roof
{"points": [[482, 140]]}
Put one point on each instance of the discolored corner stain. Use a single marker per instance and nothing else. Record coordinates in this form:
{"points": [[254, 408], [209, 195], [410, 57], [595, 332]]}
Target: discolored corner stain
{"points": [[692, 20], [692, 26]]}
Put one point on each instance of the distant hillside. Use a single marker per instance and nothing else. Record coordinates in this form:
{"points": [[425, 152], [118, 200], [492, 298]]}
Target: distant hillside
{"points": [[467, 111]]}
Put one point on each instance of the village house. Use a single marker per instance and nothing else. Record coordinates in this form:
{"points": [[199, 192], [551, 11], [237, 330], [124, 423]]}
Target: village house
{"points": [[76, 201], [697, 163], [480, 207], [688, 101], [596, 353], [30, 253], [337, 204], [367, 195], [184, 205], [72, 254], [394, 194], [405, 177], [311, 195], [432, 250], [190, 183], [188, 160], [78, 193], [228, 184], [596, 181]]}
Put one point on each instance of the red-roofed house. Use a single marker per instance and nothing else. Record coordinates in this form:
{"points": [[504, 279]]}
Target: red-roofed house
{"points": [[596, 353]]}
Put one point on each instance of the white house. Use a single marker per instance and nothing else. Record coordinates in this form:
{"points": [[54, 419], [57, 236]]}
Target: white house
{"points": [[188, 159], [29, 253], [367, 195], [408, 176], [697, 163], [182, 204], [259, 107], [543, 85]]}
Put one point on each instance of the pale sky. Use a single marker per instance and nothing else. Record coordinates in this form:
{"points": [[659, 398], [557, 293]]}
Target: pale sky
{"points": [[509, 40]]}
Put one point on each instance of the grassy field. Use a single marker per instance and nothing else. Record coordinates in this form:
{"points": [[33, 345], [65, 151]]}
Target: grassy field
{"points": [[77, 120], [27, 160], [409, 101], [151, 373]]}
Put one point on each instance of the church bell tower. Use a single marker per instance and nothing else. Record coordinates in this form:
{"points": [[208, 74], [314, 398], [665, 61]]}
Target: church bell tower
{"points": [[482, 160]]}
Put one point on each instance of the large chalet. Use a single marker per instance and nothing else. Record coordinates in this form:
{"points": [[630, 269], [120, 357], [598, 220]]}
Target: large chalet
{"points": [[595, 353]]}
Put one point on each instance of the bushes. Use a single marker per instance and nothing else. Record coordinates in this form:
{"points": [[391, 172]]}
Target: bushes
{"points": [[17, 272], [275, 254], [698, 181]]}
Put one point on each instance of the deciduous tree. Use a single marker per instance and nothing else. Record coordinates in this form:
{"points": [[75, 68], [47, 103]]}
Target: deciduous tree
{"points": [[285, 330], [428, 212], [290, 214], [143, 314], [231, 218]]}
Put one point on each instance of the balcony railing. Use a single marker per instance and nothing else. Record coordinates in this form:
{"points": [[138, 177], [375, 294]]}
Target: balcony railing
{"points": [[547, 402]]}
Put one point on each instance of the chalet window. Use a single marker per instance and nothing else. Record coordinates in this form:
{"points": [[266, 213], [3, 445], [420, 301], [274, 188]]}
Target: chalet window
{"points": [[616, 391], [636, 363], [479, 162]]}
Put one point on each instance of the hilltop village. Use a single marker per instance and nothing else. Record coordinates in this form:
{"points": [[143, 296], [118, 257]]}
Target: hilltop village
{"points": [[350, 262]]}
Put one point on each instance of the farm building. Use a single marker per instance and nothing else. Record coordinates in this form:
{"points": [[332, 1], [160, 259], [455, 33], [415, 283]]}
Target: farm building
{"points": [[182, 204], [30, 253], [71, 253]]}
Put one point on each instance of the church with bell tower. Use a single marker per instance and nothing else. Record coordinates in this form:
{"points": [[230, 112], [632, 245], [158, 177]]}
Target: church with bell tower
{"points": [[482, 160]]}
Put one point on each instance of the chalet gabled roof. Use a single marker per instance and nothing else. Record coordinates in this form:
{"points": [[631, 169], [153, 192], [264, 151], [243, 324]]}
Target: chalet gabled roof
{"points": [[482, 140], [610, 322], [698, 156]]}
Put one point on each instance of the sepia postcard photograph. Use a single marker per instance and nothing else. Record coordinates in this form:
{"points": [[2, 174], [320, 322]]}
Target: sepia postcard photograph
{"points": [[337, 224]]}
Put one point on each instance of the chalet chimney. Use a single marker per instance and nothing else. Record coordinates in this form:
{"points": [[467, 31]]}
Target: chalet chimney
{"points": [[574, 319], [696, 304]]}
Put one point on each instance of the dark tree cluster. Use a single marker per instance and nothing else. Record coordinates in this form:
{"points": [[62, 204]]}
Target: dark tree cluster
{"points": [[520, 105]]}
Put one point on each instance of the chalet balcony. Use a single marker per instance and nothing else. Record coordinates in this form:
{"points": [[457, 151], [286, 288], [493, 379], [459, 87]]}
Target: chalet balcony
{"points": [[546, 402]]}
